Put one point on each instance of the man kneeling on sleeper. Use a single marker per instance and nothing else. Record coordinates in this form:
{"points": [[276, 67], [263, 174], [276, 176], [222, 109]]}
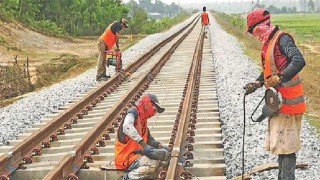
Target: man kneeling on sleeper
{"points": [[136, 150]]}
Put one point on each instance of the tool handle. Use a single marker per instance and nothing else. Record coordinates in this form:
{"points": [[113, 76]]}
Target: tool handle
{"points": [[138, 151], [261, 117]]}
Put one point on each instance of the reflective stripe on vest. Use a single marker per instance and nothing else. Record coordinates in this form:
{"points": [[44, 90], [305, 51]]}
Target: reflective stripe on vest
{"points": [[296, 100], [291, 91], [292, 82]]}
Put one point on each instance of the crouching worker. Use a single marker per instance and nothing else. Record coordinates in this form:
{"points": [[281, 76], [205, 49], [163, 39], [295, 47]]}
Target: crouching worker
{"points": [[135, 149]]}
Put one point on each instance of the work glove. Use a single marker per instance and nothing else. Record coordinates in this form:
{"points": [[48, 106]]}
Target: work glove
{"points": [[146, 149], [160, 146], [251, 87], [273, 81], [166, 148]]}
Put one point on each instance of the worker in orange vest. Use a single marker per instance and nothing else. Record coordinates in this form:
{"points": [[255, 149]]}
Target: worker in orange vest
{"points": [[205, 20], [281, 61], [134, 135], [106, 42]]}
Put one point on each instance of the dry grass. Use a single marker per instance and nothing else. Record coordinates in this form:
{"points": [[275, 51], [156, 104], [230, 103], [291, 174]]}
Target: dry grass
{"points": [[311, 83], [69, 65], [58, 67]]}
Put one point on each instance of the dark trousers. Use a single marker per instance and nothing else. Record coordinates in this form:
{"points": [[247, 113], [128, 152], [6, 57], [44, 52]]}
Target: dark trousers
{"points": [[287, 166]]}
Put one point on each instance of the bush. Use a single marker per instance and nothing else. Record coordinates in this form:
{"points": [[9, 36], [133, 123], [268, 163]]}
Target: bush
{"points": [[52, 71], [44, 26], [48, 27], [13, 82], [151, 26], [235, 19]]}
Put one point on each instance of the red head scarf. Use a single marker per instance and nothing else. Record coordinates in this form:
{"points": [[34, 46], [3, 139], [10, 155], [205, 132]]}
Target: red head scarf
{"points": [[145, 108]]}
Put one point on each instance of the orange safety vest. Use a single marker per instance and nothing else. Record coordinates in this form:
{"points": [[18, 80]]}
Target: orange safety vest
{"points": [[291, 91], [124, 152], [204, 18], [108, 37]]}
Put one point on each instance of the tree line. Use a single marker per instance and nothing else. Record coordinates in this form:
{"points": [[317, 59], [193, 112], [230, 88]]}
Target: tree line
{"points": [[79, 17], [158, 6], [76, 17]]}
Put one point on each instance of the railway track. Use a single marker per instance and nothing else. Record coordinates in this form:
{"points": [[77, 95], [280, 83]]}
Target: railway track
{"points": [[77, 140]]}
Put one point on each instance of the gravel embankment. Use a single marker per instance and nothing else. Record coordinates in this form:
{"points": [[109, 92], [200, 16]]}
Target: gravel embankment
{"points": [[233, 71], [17, 117]]}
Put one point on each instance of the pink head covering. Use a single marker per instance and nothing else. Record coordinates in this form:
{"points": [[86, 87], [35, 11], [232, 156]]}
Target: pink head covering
{"points": [[263, 30]]}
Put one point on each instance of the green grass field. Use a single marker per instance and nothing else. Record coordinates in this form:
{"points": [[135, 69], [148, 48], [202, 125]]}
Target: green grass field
{"points": [[305, 28]]}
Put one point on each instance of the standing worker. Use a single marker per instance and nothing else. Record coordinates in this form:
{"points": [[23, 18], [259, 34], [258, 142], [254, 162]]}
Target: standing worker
{"points": [[281, 61], [106, 41], [205, 20], [133, 135]]}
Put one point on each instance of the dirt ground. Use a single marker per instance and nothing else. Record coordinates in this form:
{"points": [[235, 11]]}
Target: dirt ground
{"points": [[39, 48], [29, 43]]}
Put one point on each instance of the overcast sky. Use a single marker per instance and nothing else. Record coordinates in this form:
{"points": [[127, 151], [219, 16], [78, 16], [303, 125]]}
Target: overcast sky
{"points": [[191, 1]]}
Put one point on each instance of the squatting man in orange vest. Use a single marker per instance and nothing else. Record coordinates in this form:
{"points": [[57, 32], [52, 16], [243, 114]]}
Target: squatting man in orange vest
{"points": [[281, 61], [106, 41], [134, 135], [205, 20]]}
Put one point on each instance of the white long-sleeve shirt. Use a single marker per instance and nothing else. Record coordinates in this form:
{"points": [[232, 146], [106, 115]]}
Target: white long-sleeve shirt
{"points": [[129, 129]]}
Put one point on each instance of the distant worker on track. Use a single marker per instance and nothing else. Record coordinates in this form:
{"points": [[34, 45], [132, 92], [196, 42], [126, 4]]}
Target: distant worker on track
{"points": [[106, 42], [205, 19], [135, 149], [281, 61]]}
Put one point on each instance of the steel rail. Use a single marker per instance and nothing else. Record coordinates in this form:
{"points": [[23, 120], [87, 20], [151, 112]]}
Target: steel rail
{"points": [[12, 160], [178, 148], [73, 161]]}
